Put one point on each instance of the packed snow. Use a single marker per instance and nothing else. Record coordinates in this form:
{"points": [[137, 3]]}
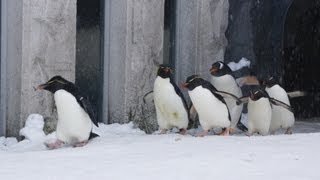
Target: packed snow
{"points": [[125, 152], [243, 62]]}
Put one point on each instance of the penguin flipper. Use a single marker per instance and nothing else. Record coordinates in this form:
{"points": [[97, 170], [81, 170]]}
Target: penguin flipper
{"points": [[228, 95], [280, 103], [244, 100], [84, 102], [93, 135], [296, 94]]}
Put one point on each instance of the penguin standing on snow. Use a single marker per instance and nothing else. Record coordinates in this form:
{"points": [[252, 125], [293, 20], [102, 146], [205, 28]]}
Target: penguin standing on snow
{"points": [[211, 107], [259, 112], [75, 114], [171, 107], [281, 116], [223, 80]]}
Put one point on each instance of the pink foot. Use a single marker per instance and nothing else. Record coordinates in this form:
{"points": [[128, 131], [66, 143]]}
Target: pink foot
{"points": [[225, 132], [80, 144], [202, 134], [57, 144], [288, 131]]}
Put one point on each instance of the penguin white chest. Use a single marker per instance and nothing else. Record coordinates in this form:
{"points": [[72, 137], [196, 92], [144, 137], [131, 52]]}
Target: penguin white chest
{"points": [[74, 124], [281, 117], [169, 105], [228, 84], [212, 112], [259, 116]]}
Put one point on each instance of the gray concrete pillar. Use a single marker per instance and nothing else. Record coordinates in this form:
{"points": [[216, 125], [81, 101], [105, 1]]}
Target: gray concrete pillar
{"points": [[133, 47], [200, 36], [40, 43]]}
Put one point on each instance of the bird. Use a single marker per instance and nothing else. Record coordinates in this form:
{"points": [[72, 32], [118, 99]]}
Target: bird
{"points": [[210, 105], [223, 80], [170, 104], [259, 112], [75, 113], [281, 117]]}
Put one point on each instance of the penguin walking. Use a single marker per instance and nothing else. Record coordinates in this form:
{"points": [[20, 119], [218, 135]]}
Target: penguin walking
{"points": [[259, 112], [281, 117], [223, 80], [210, 105], [171, 107], [75, 114]]}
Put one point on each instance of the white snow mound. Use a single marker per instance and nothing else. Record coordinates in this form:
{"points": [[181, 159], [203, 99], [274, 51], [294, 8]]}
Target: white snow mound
{"points": [[244, 62], [33, 129]]}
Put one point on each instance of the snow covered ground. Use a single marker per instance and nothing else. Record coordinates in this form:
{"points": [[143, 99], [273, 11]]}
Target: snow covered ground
{"points": [[123, 152]]}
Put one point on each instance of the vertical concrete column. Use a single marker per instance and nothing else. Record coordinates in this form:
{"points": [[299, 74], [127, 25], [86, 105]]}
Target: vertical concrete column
{"points": [[41, 37], [133, 47], [201, 40]]}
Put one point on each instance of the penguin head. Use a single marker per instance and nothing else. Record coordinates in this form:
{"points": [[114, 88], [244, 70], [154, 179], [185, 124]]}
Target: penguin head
{"points": [[192, 82], [164, 71], [269, 82], [54, 84], [257, 94], [220, 68]]}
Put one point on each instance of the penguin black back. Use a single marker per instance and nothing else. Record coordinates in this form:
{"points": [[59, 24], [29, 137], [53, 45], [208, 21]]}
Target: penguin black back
{"points": [[258, 94], [220, 68], [195, 80], [59, 83]]}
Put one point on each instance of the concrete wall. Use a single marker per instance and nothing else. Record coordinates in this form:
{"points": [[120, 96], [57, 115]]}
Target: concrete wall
{"points": [[41, 36], [133, 47], [200, 36]]}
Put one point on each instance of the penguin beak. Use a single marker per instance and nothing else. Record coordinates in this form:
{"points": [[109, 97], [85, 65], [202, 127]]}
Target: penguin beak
{"points": [[184, 85], [213, 70], [41, 87]]}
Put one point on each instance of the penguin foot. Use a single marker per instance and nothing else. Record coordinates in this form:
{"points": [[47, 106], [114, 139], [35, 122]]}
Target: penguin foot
{"points": [[183, 131], [225, 132], [80, 144], [202, 134], [288, 131], [57, 144]]}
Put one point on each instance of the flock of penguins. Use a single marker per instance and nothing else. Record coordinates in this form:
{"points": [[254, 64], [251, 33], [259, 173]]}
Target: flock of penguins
{"points": [[218, 103]]}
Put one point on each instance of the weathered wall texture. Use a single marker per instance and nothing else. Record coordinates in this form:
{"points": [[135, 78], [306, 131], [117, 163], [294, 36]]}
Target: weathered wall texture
{"points": [[134, 43], [201, 40], [44, 46]]}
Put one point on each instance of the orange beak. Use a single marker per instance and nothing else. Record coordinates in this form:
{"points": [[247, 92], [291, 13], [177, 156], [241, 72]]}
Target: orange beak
{"points": [[184, 85], [213, 70], [40, 87]]}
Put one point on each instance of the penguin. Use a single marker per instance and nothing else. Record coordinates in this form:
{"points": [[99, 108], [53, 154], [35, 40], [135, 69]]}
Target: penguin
{"points": [[210, 105], [259, 112], [75, 114], [223, 80], [170, 104], [281, 117]]}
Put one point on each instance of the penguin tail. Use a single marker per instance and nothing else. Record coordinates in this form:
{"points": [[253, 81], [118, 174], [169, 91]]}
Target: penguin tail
{"points": [[93, 135]]}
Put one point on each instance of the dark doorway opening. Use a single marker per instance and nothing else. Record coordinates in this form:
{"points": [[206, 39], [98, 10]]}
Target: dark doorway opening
{"points": [[88, 51], [169, 32], [301, 55]]}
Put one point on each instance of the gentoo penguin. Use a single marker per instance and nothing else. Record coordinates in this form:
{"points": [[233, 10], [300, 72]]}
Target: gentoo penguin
{"points": [[171, 107], [259, 112], [211, 107], [223, 80], [281, 117], [75, 114]]}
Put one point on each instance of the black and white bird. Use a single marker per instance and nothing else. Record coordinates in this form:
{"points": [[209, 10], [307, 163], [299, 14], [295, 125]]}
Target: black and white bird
{"points": [[259, 112], [171, 107], [223, 80], [210, 105], [75, 114], [281, 117]]}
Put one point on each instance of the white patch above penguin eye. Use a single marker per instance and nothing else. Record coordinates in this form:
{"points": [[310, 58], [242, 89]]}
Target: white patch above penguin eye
{"points": [[221, 65], [194, 79]]}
